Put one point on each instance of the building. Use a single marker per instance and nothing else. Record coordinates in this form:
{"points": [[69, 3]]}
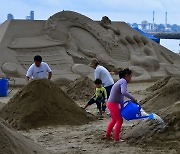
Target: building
{"points": [[31, 16], [10, 16]]}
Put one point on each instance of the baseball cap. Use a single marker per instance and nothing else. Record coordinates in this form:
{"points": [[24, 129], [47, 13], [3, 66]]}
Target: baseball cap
{"points": [[93, 62]]}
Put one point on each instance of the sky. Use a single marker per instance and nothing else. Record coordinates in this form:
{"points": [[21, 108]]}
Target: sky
{"points": [[130, 11]]}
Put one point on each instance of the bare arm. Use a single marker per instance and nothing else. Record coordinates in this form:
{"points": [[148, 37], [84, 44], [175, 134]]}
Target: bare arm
{"points": [[49, 75], [29, 73], [48, 69], [27, 79]]}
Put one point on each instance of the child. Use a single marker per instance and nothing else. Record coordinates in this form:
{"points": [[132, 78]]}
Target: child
{"points": [[119, 90], [100, 96]]}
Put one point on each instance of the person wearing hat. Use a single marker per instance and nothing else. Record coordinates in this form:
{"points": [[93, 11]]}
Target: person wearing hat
{"points": [[102, 73]]}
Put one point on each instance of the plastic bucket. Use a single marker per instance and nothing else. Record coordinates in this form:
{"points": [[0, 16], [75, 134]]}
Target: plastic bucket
{"points": [[3, 87], [130, 110]]}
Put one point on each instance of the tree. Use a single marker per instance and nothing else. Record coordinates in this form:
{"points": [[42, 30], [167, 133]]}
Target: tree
{"points": [[135, 25], [175, 27], [169, 26], [161, 27]]}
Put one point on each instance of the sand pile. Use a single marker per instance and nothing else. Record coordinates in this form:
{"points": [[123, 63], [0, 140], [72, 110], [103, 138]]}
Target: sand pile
{"points": [[164, 93], [165, 101], [1, 105], [9, 144], [82, 88], [42, 103], [159, 84]]}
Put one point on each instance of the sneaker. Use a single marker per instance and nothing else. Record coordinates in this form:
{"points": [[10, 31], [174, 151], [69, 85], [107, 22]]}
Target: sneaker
{"points": [[120, 140]]}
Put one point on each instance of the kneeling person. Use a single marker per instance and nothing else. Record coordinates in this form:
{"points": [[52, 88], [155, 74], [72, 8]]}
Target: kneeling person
{"points": [[100, 96]]}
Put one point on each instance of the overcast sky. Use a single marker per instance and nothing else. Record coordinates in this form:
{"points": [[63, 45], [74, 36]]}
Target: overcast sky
{"points": [[119, 10]]}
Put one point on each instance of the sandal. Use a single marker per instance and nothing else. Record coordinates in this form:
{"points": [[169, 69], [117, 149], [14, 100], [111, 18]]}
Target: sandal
{"points": [[109, 138]]}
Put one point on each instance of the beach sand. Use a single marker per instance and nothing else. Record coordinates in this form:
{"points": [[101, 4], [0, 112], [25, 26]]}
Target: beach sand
{"points": [[49, 116], [89, 138]]}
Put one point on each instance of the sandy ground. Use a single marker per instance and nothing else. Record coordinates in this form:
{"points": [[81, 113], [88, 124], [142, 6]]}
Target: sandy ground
{"points": [[10, 95], [88, 138]]}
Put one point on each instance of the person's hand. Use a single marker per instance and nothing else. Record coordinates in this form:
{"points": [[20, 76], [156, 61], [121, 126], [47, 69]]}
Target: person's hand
{"points": [[82, 107], [106, 100], [134, 100], [112, 73]]}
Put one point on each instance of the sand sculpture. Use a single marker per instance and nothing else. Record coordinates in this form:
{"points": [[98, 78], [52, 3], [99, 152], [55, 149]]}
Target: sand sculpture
{"points": [[68, 39], [42, 103]]}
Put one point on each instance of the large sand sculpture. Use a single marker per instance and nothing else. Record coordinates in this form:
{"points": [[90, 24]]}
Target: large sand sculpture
{"points": [[68, 40]]}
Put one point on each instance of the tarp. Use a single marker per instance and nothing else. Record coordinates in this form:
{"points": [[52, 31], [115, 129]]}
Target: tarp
{"points": [[147, 35]]}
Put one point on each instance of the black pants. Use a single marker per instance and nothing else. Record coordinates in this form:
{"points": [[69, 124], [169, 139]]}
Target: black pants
{"points": [[108, 90], [99, 102]]}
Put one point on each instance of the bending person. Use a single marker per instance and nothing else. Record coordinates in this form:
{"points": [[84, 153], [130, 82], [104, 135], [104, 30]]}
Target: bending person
{"points": [[103, 74], [119, 90], [99, 97]]}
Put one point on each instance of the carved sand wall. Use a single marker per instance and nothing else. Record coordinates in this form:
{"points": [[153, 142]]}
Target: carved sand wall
{"points": [[68, 40]]}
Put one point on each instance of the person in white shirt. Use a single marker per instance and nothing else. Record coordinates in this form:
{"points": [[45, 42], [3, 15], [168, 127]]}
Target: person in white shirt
{"points": [[39, 69], [103, 74]]}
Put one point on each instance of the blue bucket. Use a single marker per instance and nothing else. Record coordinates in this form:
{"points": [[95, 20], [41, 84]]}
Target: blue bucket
{"points": [[131, 111], [3, 87]]}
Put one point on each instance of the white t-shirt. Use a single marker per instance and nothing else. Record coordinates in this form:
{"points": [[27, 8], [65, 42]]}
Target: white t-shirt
{"points": [[103, 74], [38, 72]]}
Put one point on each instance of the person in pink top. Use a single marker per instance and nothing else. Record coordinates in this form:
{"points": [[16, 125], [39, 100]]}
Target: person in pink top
{"points": [[118, 91]]}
